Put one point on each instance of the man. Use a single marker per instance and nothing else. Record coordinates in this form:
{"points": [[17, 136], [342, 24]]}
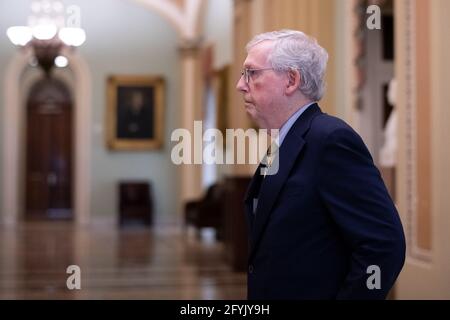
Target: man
{"points": [[135, 116], [323, 226]]}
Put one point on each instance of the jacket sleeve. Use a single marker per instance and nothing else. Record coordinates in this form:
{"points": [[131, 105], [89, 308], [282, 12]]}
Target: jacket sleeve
{"points": [[354, 194]]}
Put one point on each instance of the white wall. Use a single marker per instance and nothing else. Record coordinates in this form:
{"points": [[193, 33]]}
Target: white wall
{"points": [[218, 29]]}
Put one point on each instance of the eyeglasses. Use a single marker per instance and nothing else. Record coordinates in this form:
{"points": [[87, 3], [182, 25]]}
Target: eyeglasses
{"points": [[247, 73]]}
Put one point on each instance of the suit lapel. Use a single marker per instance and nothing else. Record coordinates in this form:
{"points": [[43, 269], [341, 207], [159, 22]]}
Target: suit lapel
{"points": [[250, 195], [253, 184], [272, 184]]}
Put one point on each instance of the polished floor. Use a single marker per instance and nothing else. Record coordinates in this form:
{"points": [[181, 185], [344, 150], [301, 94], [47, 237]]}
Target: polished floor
{"points": [[131, 263]]}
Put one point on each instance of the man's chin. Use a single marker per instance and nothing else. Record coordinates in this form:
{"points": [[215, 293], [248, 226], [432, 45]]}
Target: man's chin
{"points": [[253, 119], [250, 113], [250, 108]]}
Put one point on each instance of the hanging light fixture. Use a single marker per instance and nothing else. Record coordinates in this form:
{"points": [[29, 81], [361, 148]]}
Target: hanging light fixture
{"points": [[48, 31]]}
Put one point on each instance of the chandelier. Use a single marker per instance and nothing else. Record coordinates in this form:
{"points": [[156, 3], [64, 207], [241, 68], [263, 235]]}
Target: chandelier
{"points": [[50, 27]]}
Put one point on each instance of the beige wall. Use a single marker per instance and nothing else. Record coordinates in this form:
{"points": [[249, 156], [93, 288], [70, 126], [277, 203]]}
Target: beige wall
{"points": [[244, 21], [422, 67]]}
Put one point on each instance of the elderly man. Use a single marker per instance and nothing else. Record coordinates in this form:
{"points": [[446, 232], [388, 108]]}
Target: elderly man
{"points": [[323, 226]]}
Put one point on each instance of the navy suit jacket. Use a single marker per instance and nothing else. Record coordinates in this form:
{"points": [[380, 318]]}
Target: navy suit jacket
{"points": [[323, 219]]}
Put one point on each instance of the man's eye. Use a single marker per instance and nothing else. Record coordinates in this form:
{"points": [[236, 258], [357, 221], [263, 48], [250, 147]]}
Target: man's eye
{"points": [[251, 72]]}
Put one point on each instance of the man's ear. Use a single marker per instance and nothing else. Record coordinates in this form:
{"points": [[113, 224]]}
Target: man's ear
{"points": [[294, 81]]}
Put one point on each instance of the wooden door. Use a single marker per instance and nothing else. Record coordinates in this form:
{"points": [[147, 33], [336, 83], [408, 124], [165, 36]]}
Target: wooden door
{"points": [[49, 152]]}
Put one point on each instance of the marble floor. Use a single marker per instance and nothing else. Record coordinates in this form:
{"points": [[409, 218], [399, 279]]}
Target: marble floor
{"points": [[131, 263]]}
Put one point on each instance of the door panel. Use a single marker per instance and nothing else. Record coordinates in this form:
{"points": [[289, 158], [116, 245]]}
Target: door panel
{"points": [[49, 172]]}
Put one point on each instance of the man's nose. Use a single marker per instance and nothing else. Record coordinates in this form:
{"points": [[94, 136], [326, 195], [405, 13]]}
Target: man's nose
{"points": [[242, 85]]}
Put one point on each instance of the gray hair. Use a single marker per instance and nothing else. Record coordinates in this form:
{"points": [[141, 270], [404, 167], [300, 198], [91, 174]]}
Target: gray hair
{"points": [[294, 50]]}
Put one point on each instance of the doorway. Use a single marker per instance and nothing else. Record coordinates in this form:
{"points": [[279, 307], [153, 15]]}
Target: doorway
{"points": [[48, 176], [378, 69]]}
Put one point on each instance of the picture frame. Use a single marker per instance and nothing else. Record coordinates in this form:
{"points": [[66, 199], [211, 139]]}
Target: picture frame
{"points": [[135, 112]]}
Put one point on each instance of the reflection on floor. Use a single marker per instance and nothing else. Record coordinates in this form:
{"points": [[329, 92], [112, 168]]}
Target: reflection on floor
{"points": [[115, 264]]}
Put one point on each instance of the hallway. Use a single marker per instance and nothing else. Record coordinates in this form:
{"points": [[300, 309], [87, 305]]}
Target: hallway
{"points": [[131, 263]]}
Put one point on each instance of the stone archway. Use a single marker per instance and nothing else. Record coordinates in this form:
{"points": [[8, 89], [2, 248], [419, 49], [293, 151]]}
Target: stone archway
{"points": [[184, 15], [11, 134]]}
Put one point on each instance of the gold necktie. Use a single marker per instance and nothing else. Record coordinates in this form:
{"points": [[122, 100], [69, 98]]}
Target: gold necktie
{"points": [[269, 157]]}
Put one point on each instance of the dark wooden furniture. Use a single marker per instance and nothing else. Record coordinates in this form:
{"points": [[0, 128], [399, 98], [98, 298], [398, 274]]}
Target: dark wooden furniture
{"points": [[236, 235], [135, 203], [222, 208], [208, 211]]}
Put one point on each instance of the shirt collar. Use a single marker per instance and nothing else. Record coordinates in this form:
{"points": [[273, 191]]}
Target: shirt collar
{"points": [[290, 122]]}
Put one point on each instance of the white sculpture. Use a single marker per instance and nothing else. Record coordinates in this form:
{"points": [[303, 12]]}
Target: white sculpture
{"points": [[388, 153]]}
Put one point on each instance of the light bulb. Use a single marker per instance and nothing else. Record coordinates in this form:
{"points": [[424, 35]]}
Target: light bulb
{"points": [[72, 36], [19, 35], [44, 31], [61, 61]]}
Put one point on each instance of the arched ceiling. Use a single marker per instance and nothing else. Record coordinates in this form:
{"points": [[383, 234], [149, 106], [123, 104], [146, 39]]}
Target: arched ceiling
{"points": [[184, 15]]}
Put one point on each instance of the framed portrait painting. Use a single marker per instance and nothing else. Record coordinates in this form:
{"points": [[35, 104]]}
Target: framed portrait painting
{"points": [[135, 112]]}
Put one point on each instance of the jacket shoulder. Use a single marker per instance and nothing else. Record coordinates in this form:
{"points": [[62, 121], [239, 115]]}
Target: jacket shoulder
{"points": [[324, 125], [327, 123]]}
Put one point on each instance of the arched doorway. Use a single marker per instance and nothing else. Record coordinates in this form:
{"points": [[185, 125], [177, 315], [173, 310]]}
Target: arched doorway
{"points": [[13, 153], [376, 67], [49, 151]]}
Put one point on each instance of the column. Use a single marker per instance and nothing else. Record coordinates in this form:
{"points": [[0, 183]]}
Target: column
{"points": [[190, 111]]}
